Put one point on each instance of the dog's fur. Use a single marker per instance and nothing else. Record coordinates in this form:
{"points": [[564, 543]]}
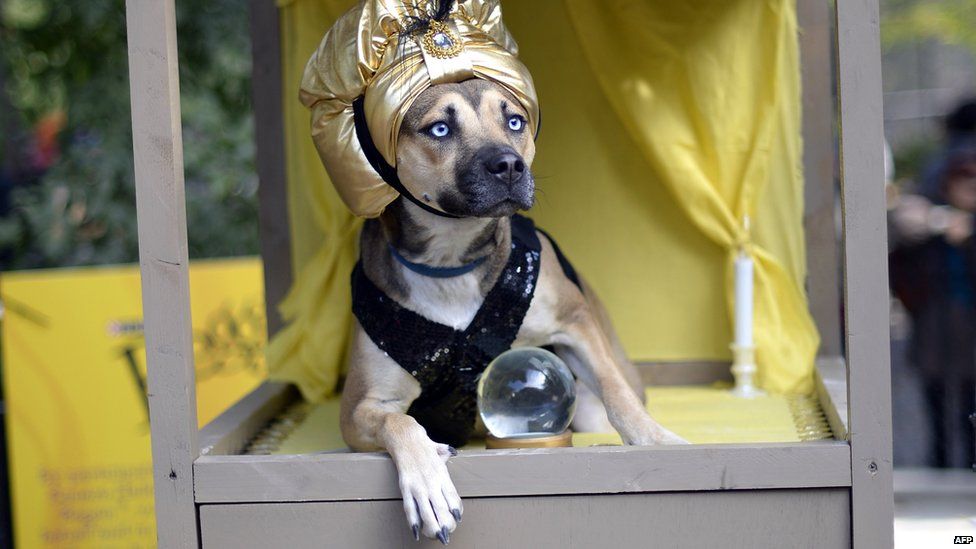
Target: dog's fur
{"points": [[479, 172]]}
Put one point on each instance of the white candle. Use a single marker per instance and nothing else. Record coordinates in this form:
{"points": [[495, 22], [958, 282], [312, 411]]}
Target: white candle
{"points": [[743, 300]]}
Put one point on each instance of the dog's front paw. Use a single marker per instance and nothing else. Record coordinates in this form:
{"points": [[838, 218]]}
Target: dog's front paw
{"points": [[651, 434], [430, 500], [667, 437]]}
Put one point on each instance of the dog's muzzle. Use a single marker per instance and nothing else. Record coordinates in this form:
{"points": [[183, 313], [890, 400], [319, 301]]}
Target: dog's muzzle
{"points": [[505, 165], [495, 181]]}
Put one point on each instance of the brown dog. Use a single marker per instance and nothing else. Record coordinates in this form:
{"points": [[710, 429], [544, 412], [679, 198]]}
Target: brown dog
{"points": [[467, 146]]}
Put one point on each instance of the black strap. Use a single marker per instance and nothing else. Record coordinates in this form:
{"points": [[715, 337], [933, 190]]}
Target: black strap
{"points": [[382, 167], [568, 269], [524, 230]]}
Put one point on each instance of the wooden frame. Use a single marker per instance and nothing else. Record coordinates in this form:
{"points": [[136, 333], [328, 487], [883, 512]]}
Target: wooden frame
{"points": [[270, 156], [820, 168], [651, 519], [865, 271], [206, 494], [157, 146]]}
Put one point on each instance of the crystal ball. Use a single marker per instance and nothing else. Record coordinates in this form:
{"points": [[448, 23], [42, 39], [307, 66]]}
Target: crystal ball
{"points": [[526, 392]]}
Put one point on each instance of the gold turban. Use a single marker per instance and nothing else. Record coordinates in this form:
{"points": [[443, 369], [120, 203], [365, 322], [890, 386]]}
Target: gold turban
{"points": [[377, 59]]}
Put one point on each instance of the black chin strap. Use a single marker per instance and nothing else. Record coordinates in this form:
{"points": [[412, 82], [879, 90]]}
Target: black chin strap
{"points": [[382, 167]]}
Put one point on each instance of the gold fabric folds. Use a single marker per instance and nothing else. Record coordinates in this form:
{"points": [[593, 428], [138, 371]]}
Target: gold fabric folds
{"points": [[665, 124], [370, 52]]}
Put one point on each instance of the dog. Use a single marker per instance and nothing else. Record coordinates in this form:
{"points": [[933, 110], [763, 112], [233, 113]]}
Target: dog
{"points": [[467, 146]]}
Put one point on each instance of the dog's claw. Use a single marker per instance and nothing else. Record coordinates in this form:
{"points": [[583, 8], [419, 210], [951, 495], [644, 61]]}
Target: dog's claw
{"points": [[443, 536], [416, 531], [456, 514]]}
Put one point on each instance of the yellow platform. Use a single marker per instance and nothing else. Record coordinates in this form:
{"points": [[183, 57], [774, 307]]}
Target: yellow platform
{"points": [[700, 414]]}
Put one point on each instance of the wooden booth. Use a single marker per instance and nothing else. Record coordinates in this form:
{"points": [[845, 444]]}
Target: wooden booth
{"points": [[831, 492]]}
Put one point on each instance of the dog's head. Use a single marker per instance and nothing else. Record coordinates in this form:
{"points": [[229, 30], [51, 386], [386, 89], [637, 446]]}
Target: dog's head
{"points": [[466, 148]]}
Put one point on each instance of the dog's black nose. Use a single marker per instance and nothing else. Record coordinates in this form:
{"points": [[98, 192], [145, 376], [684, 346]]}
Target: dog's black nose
{"points": [[506, 166]]}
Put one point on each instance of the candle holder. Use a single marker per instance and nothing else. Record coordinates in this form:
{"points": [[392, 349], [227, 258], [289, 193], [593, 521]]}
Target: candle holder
{"points": [[743, 370]]}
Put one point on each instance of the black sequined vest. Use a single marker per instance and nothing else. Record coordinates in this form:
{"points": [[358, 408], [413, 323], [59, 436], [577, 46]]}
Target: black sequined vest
{"points": [[448, 362]]}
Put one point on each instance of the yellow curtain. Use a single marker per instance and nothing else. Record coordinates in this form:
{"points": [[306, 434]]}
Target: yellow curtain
{"points": [[709, 90], [663, 125]]}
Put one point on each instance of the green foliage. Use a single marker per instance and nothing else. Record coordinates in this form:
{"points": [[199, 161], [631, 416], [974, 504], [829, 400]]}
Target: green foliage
{"points": [[916, 25], [71, 56], [913, 157], [948, 21]]}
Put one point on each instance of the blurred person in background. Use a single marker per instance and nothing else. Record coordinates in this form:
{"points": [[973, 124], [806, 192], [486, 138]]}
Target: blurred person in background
{"points": [[933, 274], [960, 134]]}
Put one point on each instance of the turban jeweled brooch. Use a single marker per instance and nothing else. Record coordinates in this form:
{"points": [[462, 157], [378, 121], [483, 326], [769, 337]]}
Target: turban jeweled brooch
{"points": [[441, 42], [373, 64]]}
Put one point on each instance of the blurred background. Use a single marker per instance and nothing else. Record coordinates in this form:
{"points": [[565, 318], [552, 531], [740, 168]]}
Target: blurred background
{"points": [[67, 203], [930, 125], [67, 192]]}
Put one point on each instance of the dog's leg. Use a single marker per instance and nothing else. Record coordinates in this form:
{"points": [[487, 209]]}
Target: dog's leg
{"points": [[375, 399], [602, 318], [597, 367], [591, 415]]}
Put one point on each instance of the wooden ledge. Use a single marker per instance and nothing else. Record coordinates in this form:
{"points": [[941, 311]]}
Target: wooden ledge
{"points": [[552, 471]]}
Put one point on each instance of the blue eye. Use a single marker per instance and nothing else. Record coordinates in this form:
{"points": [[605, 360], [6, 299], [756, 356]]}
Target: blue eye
{"points": [[516, 123], [439, 129]]}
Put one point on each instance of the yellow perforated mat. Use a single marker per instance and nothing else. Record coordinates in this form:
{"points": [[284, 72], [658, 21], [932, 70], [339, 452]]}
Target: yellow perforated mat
{"points": [[700, 414]]}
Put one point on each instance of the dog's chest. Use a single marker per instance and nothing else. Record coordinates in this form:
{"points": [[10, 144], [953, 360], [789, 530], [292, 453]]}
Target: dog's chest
{"points": [[452, 302]]}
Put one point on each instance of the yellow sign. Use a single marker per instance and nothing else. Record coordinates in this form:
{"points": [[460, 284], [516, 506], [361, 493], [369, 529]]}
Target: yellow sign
{"points": [[74, 380]]}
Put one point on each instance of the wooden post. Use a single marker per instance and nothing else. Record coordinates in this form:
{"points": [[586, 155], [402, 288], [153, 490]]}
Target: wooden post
{"points": [[865, 271], [819, 163], [269, 138], [158, 151]]}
